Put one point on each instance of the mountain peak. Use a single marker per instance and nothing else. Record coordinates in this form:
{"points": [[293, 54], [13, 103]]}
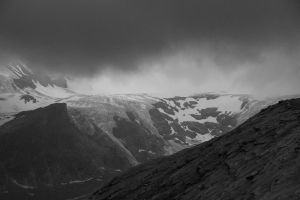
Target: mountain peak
{"points": [[24, 77]]}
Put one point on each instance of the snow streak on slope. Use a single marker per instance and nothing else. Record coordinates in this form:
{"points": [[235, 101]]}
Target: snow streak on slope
{"points": [[53, 91]]}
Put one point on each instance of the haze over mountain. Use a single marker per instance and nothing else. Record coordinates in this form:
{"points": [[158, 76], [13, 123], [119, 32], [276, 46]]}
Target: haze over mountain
{"points": [[170, 47]]}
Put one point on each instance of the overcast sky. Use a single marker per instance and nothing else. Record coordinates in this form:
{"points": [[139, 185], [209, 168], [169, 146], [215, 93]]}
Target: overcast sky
{"points": [[159, 46]]}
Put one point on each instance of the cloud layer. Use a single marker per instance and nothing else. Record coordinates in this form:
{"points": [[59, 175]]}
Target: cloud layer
{"points": [[85, 37]]}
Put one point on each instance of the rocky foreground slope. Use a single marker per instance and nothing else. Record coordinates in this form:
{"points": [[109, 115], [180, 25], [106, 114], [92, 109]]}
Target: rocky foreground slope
{"points": [[258, 160]]}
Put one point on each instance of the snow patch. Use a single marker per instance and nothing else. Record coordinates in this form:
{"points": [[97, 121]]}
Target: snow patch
{"points": [[225, 104], [77, 181], [52, 91], [22, 185], [208, 119]]}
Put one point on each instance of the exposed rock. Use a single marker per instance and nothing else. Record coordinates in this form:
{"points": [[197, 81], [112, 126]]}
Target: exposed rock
{"points": [[45, 148], [260, 159], [27, 98]]}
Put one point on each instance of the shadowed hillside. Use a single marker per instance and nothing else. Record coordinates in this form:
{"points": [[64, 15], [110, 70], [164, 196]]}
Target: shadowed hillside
{"points": [[43, 149]]}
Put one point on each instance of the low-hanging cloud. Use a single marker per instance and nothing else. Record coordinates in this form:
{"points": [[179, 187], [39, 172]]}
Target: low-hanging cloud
{"points": [[175, 46], [83, 37]]}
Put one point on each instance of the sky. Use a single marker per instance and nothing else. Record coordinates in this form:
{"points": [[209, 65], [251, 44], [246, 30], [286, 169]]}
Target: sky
{"points": [[172, 47]]}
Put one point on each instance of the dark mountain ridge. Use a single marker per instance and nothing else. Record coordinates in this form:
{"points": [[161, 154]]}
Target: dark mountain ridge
{"points": [[45, 148], [260, 159]]}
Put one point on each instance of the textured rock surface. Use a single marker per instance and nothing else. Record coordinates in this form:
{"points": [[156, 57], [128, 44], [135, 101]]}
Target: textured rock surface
{"points": [[45, 148], [258, 160]]}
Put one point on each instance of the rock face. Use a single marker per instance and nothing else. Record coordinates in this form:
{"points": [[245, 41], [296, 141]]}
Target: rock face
{"points": [[199, 118], [260, 159], [24, 78], [45, 147], [126, 121]]}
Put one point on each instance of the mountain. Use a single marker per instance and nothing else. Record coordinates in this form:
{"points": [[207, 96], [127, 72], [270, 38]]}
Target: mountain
{"points": [[22, 89], [24, 77], [179, 122], [44, 148], [148, 127], [139, 127], [260, 159]]}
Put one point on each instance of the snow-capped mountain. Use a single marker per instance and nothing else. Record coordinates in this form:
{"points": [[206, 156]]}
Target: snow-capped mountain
{"points": [[22, 89], [179, 121], [137, 127], [24, 77]]}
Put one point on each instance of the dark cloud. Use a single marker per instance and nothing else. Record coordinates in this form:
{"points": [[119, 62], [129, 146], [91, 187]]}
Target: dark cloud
{"points": [[84, 36]]}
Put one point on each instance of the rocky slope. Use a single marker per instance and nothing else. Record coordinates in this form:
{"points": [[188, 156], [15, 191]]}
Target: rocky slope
{"points": [[45, 148], [260, 159]]}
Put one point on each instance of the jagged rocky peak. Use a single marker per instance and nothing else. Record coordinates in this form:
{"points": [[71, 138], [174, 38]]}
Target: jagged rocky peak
{"points": [[24, 89], [260, 159], [24, 77]]}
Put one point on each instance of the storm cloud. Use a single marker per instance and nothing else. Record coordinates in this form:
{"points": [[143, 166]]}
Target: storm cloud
{"points": [[247, 42], [86, 36]]}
